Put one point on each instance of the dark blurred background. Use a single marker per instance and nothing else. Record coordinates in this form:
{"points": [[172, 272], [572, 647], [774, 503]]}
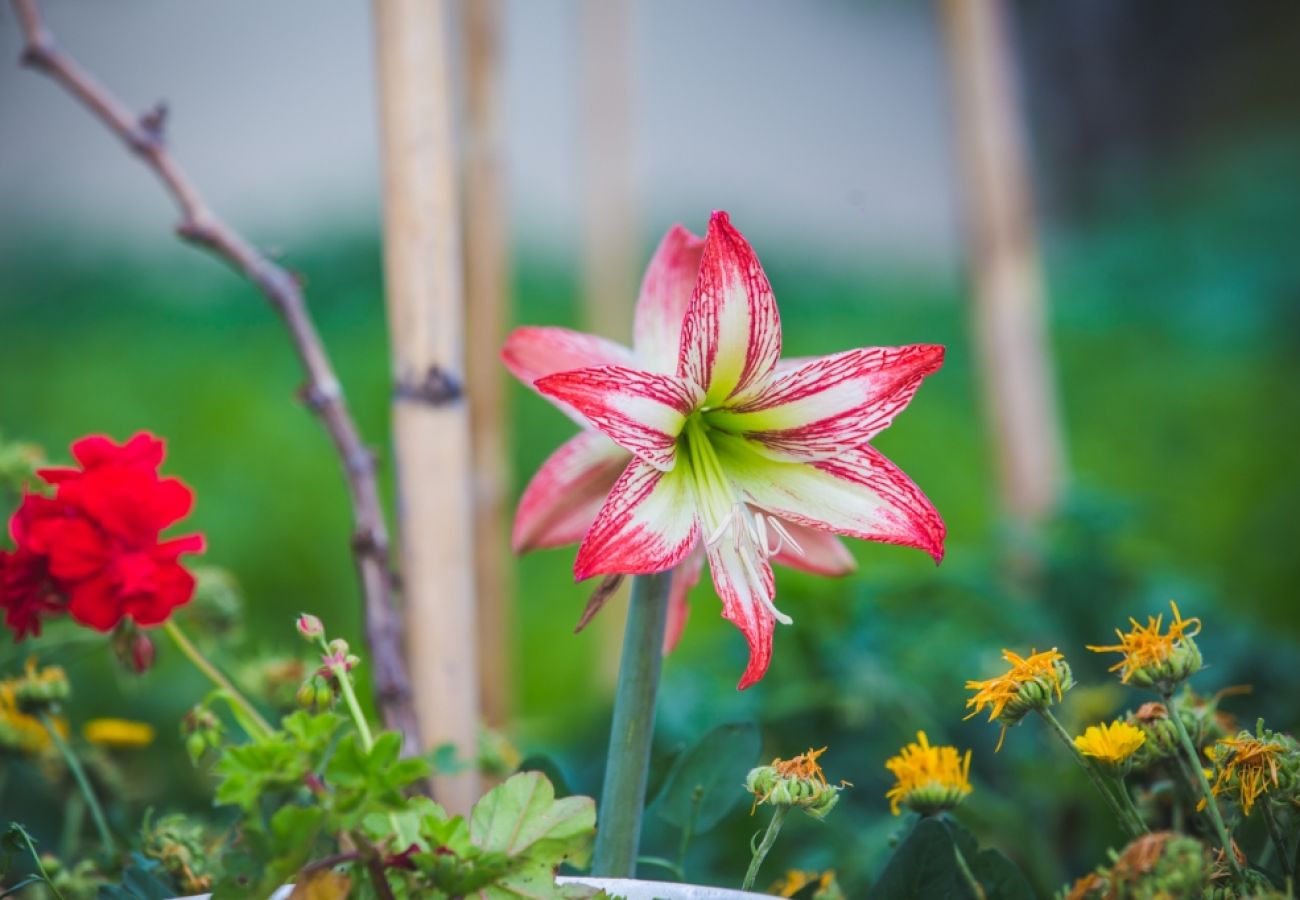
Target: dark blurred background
{"points": [[1164, 141]]}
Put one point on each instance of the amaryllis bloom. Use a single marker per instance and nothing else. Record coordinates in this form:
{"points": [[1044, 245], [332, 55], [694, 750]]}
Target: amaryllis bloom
{"points": [[700, 443], [95, 548]]}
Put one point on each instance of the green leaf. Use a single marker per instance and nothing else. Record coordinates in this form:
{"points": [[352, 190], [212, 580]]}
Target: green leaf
{"points": [[522, 817], [142, 880], [248, 771], [707, 780], [551, 769], [924, 866], [1000, 877], [312, 733]]}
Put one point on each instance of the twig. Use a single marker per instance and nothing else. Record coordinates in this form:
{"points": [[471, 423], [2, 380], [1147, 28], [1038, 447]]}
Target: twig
{"points": [[199, 225]]}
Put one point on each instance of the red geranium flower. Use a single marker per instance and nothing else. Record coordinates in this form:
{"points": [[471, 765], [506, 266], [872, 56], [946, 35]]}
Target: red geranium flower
{"points": [[98, 540]]}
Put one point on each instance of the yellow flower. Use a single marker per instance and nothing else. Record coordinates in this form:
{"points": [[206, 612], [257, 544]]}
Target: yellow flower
{"points": [[930, 779], [1111, 743], [795, 880], [18, 730], [1030, 683], [1248, 763], [1155, 660], [118, 733]]}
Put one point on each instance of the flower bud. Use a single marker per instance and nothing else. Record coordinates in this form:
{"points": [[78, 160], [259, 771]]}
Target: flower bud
{"points": [[316, 694], [310, 627], [202, 731], [798, 783], [41, 689], [132, 647]]}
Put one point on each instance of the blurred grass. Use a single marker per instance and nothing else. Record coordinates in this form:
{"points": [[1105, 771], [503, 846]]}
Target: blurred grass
{"points": [[1174, 327]]}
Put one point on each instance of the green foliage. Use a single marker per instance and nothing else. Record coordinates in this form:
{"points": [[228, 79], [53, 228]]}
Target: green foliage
{"points": [[516, 838], [703, 785], [142, 879], [930, 864]]}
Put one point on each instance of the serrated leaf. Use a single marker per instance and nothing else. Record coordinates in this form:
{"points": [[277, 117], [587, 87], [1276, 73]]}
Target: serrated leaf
{"points": [[522, 819], [706, 782], [311, 732]]}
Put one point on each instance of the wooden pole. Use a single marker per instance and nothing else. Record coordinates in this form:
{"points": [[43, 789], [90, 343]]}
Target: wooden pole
{"points": [[609, 247], [486, 280], [422, 268], [1009, 319]]}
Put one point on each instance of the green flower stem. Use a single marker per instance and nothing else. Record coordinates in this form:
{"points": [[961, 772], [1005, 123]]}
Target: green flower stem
{"points": [[769, 838], [79, 774], [971, 881], [1133, 825], [1201, 782], [1127, 799], [1275, 834], [215, 675], [623, 797], [688, 830], [350, 698]]}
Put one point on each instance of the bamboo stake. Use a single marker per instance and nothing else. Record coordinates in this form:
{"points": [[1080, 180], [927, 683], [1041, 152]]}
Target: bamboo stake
{"points": [[145, 137], [486, 274], [422, 266], [609, 253], [1009, 317]]}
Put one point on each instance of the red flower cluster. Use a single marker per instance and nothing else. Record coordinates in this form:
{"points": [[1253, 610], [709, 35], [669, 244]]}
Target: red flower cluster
{"points": [[93, 550]]}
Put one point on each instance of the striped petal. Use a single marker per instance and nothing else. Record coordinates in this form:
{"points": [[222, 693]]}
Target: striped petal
{"points": [[746, 587], [665, 294], [831, 404], [685, 577], [731, 336], [641, 411], [822, 552], [647, 524], [563, 498], [860, 494], [533, 352]]}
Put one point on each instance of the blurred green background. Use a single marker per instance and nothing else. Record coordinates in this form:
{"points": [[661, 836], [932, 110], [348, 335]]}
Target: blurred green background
{"points": [[1174, 289]]}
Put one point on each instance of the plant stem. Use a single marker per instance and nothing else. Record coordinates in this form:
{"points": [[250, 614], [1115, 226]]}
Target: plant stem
{"points": [[1275, 833], [79, 775], [1211, 805], [215, 675], [1133, 826], [769, 838], [1127, 799], [350, 697], [623, 797], [688, 830], [971, 881]]}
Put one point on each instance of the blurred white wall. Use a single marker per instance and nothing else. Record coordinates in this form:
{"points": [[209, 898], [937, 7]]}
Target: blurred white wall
{"points": [[821, 124]]}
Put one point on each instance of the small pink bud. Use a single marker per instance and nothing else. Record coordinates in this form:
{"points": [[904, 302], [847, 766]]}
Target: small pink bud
{"points": [[310, 627], [142, 654]]}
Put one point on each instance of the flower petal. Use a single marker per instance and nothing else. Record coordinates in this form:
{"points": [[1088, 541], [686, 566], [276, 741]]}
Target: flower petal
{"points": [[95, 603], [823, 552], [563, 498], [831, 404], [665, 294], [746, 587], [860, 494], [647, 525], [731, 336], [685, 577], [642, 411], [533, 352]]}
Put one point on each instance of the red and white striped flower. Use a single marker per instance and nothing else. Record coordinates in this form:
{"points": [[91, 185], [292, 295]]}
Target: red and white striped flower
{"points": [[700, 442]]}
